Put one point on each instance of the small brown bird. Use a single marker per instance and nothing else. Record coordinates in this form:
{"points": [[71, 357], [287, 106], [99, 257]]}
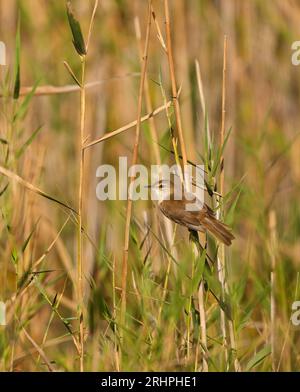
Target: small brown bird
{"points": [[202, 219]]}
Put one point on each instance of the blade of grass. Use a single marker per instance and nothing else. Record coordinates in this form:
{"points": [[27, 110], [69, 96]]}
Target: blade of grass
{"points": [[39, 350], [21, 150], [258, 358], [33, 188], [22, 110]]}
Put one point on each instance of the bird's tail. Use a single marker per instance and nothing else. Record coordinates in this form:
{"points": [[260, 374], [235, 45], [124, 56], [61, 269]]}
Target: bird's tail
{"points": [[218, 229]]}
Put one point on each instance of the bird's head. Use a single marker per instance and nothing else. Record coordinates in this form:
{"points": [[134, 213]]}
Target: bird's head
{"points": [[163, 189]]}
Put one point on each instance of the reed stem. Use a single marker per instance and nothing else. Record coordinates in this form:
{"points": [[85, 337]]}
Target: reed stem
{"points": [[80, 210], [134, 161]]}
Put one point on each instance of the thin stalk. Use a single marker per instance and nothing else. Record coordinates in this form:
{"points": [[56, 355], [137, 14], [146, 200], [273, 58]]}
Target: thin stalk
{"points": [[39, 350], [91, 24], [288, 330], [32, 188], [165, 287], [159, 34], [80, 207], [179, 131], [116, 350], [221, 253], [174, 141], [201, 95], [166, 281], [201, 303], [81, 49], [128, 126], [202, 338], [203, 334], [189, 318], [52, 315], [173, 85], [167, 222], [272, 230], [149, 106], [222, 133], [153, 129], [134, 161]]}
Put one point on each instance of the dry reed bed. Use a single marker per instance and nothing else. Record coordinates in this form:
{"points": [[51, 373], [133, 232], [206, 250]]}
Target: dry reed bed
{"points": [[150, 316]]}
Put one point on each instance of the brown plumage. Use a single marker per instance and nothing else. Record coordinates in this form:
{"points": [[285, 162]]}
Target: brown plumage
{"points": [[202, 220]]}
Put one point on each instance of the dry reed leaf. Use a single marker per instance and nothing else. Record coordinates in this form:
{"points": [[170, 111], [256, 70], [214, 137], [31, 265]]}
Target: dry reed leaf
{"points": [[33, 188]]}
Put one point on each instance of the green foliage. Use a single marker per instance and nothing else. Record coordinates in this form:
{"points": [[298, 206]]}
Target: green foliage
{"points": [[258, 358], [78, 40], [17, 83], [23, 107]]}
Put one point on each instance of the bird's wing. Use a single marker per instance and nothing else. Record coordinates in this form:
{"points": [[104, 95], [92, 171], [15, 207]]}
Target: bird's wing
{"points": [[176, 211]]}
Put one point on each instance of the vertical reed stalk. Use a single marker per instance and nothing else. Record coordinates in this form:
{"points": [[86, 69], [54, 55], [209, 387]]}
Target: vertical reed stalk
{"points": [[201, 95], [167, 222], [173, 84], [116, 351], [154, 135], [194, 237], [201, 303], [189, 310], [221, 252], [272, 230], [81, 49], [134, 161], [166, 281], [80, 206], [180, 135], [222, 133], [203, 337], [148, 102]]}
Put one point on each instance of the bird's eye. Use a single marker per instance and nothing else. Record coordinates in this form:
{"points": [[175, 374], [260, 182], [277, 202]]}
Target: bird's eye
{"points": [[160, 186]]}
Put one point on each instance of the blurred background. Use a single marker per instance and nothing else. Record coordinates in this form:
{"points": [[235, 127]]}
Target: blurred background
{"points": [[262, 167]]}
